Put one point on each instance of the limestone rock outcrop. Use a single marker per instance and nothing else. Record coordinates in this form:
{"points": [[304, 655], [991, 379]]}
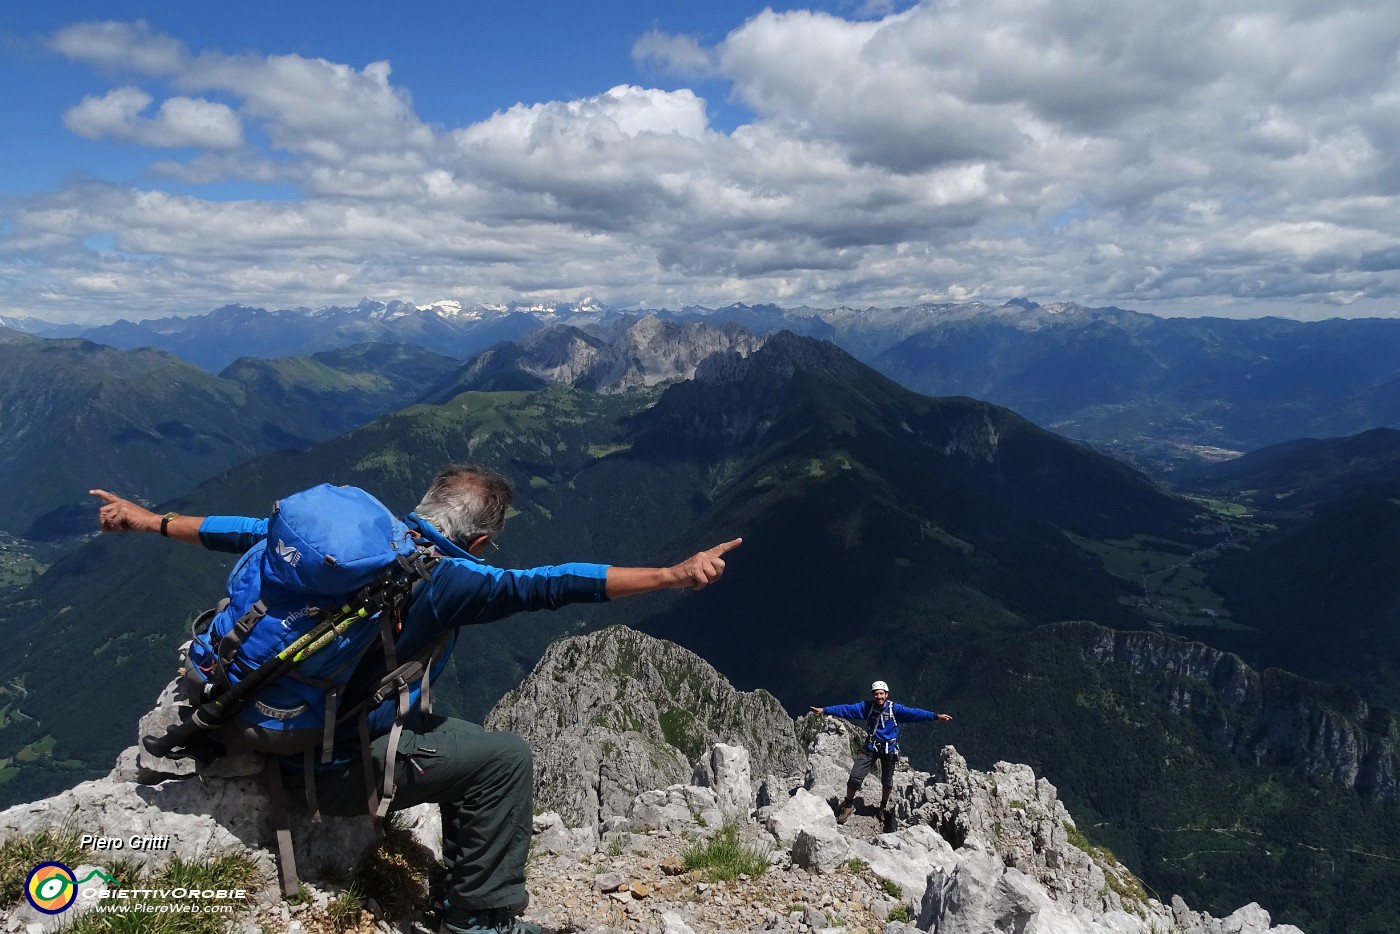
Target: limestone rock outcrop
{"points": [[161, 809], [1270, 716], [618, 712]]}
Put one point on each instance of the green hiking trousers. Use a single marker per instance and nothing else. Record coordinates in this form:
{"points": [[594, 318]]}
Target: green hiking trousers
{"points": [[481, 780]]}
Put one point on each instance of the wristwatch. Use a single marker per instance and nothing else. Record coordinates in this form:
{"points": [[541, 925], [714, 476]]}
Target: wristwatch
{"points": [[165, 523]]}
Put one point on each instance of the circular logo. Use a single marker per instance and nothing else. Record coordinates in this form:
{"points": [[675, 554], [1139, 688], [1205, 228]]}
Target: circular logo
{"points": [[51, 888]]}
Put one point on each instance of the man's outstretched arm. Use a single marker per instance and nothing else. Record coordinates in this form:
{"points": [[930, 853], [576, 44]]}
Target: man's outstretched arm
{"points": [[694, 573], [854, 711], [233, 534], [913, 714], [122, 515]]}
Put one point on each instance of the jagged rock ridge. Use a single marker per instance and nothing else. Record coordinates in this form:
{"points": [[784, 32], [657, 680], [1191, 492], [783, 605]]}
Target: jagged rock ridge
{"points": [[972, 852], [616, 712], [632, 354]]}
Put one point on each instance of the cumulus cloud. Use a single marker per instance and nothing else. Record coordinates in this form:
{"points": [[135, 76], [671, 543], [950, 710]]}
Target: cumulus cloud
{"points": [[327, 111], [180, 121], [1180, 157], [121, 47]]}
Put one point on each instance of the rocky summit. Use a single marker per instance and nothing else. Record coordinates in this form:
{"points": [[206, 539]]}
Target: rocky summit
{"points": [[743, 839], [617, 712]]}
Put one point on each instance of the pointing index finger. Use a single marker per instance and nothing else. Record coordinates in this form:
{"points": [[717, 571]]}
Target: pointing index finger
{"points": [[104, 496], [727, 546]]}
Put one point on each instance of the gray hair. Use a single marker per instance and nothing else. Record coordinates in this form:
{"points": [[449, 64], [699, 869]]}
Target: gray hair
{"points": [[466, 501]]}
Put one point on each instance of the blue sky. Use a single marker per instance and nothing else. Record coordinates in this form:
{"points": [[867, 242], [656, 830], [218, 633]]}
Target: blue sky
{"points": [[1188, 157], [461, 61]]}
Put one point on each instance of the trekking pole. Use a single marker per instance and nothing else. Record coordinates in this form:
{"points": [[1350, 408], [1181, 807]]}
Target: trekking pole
{"points": [[212, 714]]}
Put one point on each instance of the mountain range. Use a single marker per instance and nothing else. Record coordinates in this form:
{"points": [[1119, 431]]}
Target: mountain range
{"points": [[1297, 476], [78, 415], [829, 470], [1163, 392], [215, 340]]}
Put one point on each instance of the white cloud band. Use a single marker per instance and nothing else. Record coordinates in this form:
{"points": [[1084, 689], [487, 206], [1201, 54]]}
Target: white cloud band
{"points": [[1181, 156]]}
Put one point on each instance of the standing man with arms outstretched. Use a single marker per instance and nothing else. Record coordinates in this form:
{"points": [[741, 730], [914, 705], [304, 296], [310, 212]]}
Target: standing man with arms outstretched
{"points": [[482, 780], [881, 717]]}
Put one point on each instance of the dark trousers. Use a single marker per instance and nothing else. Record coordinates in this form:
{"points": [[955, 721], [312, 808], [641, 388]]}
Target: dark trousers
{"points": [[481, 780], [865, 761]]}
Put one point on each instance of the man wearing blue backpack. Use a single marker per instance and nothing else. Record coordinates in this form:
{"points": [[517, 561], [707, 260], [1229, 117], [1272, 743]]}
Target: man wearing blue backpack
{"points": [[881, 717], [482, 780]]}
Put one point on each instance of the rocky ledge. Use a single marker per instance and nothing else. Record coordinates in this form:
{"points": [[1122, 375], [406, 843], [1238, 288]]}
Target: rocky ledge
{"points": [[973, 852]]}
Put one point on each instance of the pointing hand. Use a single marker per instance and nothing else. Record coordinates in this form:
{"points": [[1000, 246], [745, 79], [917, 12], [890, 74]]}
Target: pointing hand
{"points": [[704, 567], [122, 515]]}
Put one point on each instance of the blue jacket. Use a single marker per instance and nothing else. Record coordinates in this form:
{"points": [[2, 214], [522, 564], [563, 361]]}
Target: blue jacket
{"points": [[463, 590], [882, 724]]}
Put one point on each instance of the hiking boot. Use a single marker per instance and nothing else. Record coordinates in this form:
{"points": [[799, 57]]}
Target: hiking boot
{"points": [[845, 813], [495, 921], [887, 822]]}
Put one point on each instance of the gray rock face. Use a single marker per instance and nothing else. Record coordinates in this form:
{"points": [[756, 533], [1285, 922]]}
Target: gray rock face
{"points": [[802, 812], [988, 851], [646, 352], [980, 894], [617, 712], [726, 770], [677, 808], [820, 850], [653, 351], [829, 759], [1262, 717], [199, 818], [1023, 818]]}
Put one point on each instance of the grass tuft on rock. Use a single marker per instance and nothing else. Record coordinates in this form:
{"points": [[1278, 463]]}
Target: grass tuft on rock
{"points": [[725, 856]]}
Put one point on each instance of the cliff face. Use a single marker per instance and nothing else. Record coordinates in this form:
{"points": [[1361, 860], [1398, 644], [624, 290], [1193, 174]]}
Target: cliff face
{"points": [[646, 352], [1263, 718], [616, 712]]}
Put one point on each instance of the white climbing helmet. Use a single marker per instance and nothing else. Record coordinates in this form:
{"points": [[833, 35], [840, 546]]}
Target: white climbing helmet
{"points": [[880, 686]]}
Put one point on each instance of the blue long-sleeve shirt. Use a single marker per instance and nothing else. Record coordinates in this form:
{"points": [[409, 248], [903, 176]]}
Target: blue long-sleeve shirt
{"points": [[881, 724], [463, 590]]}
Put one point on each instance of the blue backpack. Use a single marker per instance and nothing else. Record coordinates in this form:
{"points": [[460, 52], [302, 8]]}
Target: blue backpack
{"points": [[328, 583], [266, 668]]}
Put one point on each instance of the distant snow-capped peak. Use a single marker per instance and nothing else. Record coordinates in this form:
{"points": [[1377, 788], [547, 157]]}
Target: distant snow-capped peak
{"points": [[587, 305], [453, 310]]}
